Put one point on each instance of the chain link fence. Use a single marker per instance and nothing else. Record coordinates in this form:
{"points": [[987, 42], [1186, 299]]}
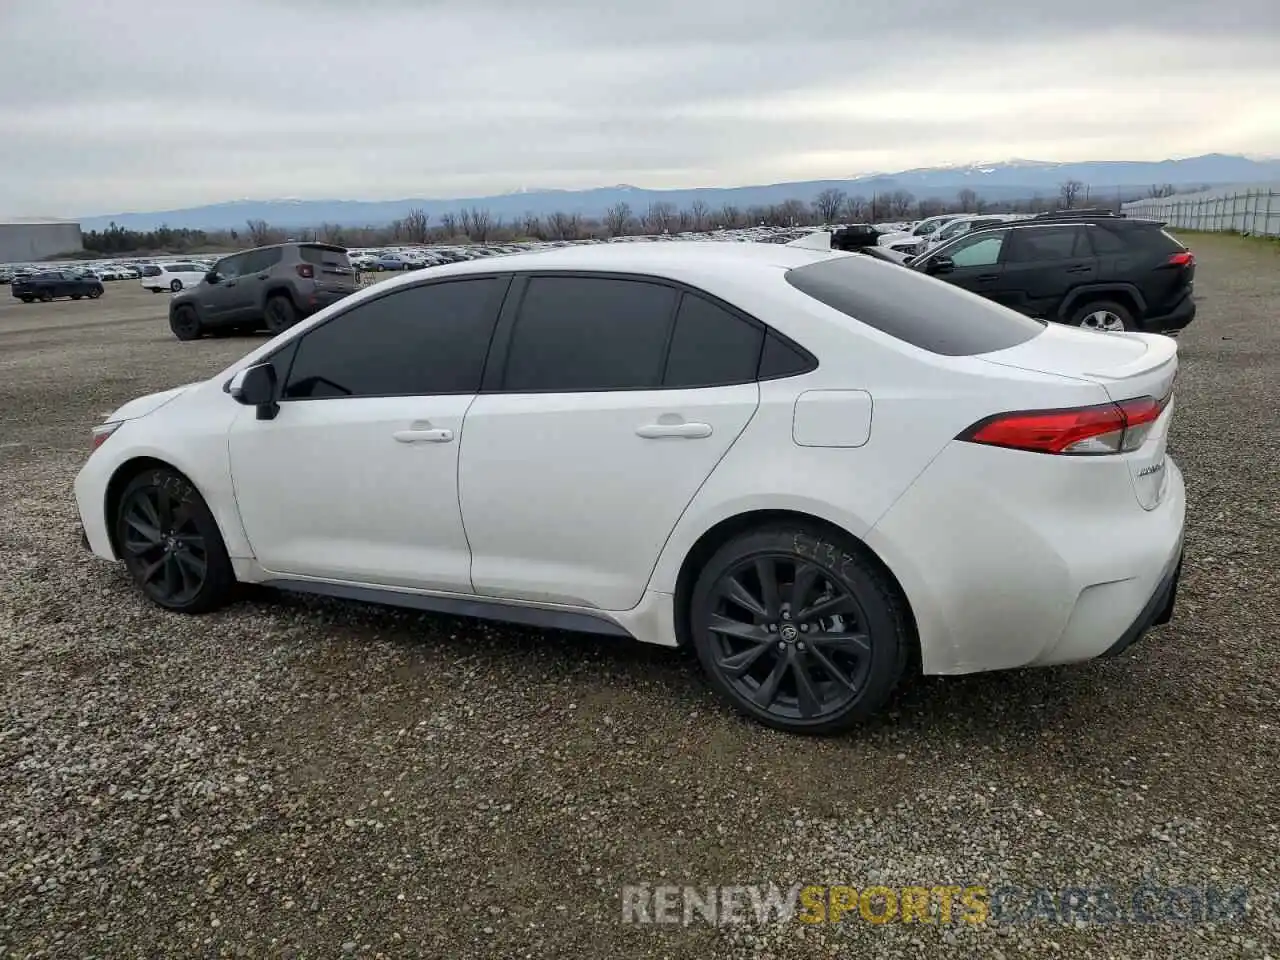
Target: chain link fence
{"points": [[1253, 210]]}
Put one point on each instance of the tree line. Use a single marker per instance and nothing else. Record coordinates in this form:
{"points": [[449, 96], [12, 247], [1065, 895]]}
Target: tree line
{"points": [[480, 225]]}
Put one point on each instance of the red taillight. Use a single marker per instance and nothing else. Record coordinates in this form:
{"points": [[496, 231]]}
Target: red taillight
{"points": [[1184, 259], [1078, 431], [306, 270], [102, 432]]}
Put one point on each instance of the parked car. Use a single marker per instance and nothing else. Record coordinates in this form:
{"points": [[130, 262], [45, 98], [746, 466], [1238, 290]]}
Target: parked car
{"points": [[676, 442], [362, 262], [913, 240], [391, 261], [273, 286], [158, 277], [855, 236], [962, 225], [55, 283], [1097, 271]]}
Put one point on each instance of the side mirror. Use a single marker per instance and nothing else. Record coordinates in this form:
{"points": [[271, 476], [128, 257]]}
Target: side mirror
{"points": [[211, 277], [256, 387], [940, 265]]}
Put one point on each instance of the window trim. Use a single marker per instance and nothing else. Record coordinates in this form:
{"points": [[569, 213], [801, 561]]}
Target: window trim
{"points": [[294, 342], [500, 348]]}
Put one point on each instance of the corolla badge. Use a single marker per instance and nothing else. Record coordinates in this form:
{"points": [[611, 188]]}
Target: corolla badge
{"points": [[1148, 471]]}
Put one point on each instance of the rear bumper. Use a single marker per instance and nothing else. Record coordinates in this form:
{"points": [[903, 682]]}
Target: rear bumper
{"points": [[1159, 610], [1175, 320], [317, 300]]}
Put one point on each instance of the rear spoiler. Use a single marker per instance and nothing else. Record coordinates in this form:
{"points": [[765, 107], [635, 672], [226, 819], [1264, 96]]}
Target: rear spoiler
{"points": [[818, 240], [1164, 348]]}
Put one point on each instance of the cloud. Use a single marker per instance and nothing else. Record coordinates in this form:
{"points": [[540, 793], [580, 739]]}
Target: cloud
{"points": [[390, 98]]}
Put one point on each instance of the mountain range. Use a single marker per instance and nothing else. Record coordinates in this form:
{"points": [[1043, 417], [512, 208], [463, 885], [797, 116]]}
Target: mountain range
{"points": [[1004, 180]]}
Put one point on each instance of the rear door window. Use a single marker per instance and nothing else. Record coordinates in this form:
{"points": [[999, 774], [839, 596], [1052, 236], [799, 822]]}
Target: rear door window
{"points": [[1041, 244], [584, 334], [918, 310]]}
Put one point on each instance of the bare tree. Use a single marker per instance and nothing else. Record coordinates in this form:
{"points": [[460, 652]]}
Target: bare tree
{"points": [[449, 223], [564, 226], [855, 208], [700, 214], [900, 203], [659, 217], [617, 218], [481, 224], [533, 226], [792, 213], [828, 204], [968, 200], [415, 225], [464, 221], [259, 232], [1158, 190], [1068, 193], [729, 215], [683, 219]]}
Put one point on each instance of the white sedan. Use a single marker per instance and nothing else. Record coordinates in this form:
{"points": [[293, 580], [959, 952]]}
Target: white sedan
{"points": [[815, 468]]}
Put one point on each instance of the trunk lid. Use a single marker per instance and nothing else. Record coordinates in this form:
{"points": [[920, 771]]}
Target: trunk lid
{"points": [[332, 266], [1127, 366]]}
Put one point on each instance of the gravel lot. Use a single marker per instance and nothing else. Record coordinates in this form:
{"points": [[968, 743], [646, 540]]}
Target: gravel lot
{"points": [[308, 778]]}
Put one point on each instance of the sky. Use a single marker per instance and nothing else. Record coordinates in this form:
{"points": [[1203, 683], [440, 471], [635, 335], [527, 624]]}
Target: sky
{"points": [[137, 105]]}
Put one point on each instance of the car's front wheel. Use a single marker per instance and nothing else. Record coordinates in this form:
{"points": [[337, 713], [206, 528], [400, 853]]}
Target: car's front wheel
{"points": [[171, 544], [46, 295], [798, 629], [185, 323], [175, 286], [95, 293]]}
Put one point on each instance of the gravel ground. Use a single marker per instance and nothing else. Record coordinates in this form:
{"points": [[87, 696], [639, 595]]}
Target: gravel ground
{"points": [[304, 778]]}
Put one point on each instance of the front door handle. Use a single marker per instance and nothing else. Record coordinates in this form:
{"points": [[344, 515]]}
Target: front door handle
{"points": [[1083, 268], [432, 435], [686, 431], [988, 277]]}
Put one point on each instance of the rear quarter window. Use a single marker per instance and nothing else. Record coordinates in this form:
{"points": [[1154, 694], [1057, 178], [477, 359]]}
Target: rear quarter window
{"points": [[922, 311]]}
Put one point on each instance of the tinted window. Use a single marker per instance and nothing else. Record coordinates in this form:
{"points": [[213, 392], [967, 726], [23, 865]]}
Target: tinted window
{"points": [[781, 359], [258, 260], [1036, 244], [918, 310], [710, 346], [320, 256], [417, 341], [589, 333], [151, 271], [230, 267]]}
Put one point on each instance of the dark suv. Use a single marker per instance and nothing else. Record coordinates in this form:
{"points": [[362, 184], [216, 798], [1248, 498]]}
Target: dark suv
{"points": [[1087, 268], [272, 286]]}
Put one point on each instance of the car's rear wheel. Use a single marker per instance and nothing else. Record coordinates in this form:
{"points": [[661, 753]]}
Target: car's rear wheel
{"points": [[1103, 316], [798, 629], [185, 323], [175, 286], [171, 544], [280, 314]]}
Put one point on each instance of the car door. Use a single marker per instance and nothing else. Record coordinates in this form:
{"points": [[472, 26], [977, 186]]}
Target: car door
{"points": [[1040, 264], [218, 299], [254, 274], [356, 477], [608, 402], [972, 261]]}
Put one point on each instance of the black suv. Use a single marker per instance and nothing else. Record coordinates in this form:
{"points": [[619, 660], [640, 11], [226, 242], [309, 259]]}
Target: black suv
{"points": [[272, 286], [1087, 268]]}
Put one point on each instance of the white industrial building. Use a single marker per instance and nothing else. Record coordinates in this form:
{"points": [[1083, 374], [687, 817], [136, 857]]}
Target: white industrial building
{"points": [[27, 240]]}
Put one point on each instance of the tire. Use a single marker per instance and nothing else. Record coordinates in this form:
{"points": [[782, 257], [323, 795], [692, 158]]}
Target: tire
{"points": [[175, 286], [280, 314], [755, 661], [28, 299], [171, 545], [1103, 316], [75, 296], [95, 293], [185, 323]]}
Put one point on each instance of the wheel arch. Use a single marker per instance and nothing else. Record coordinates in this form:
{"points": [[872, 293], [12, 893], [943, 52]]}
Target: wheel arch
{"points": [[725, 530], [1125, 294], [278, 289], [126, 472]]}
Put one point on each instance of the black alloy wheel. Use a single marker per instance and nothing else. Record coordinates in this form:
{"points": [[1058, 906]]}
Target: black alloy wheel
{"points": [[798, 632], [280, 314], [185, 323], [171, 545]]}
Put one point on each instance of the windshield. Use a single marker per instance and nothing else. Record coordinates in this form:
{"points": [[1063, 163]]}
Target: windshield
{"points": [[953, 229]]}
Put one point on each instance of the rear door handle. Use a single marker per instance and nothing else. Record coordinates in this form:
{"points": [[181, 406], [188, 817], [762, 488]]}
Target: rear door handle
{"points": [[686, 431], [431, 435], [988, 277], [1083, 268]]}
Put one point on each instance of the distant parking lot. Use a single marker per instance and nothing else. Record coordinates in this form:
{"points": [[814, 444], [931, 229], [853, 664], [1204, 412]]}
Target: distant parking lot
{"points": [[295, 777]]}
